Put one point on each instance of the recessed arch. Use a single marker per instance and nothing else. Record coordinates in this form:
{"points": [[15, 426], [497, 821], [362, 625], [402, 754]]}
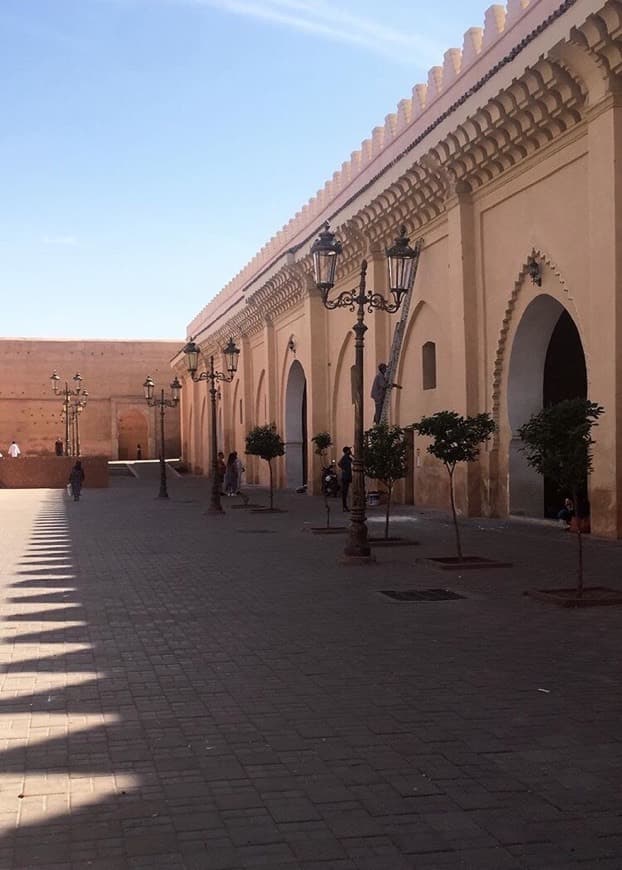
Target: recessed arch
{"points": [[296, 426], [546, 365], [133, 430]]}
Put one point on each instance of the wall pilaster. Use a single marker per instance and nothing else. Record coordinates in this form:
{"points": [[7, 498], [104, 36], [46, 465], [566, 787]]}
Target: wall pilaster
{"points": [[463, 325], [604, 354]]}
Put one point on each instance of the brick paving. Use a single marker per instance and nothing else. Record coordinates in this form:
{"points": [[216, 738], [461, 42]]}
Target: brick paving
{"points": [[183, 691]]}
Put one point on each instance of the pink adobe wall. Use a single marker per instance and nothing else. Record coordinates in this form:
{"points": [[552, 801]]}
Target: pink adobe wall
{"points": [[113, 372]]}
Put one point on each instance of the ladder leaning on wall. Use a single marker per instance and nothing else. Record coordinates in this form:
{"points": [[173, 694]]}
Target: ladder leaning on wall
{"points": [[398, 340]]}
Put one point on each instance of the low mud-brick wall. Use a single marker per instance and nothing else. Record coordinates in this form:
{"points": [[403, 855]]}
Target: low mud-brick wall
{"points": [[50, 472]]}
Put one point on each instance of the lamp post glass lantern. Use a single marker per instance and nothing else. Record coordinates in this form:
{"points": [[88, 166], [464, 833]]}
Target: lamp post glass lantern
{"points": [[402, 261], [162, 403], [74, 402], [231, 354]]}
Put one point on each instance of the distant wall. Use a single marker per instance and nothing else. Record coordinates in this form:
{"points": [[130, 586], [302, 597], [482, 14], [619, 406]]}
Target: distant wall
{"points": [[50, 472], [113, 372]]}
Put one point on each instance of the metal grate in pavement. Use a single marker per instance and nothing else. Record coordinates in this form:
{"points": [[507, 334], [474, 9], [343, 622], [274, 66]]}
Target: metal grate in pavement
{"points": [[256, 531], [421, 594]]}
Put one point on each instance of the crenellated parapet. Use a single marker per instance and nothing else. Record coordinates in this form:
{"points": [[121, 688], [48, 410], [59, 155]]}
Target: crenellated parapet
{"points": [[455, 130]]}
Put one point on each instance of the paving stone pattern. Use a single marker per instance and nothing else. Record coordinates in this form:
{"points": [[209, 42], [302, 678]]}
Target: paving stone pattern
{"points": [[176, 693]]}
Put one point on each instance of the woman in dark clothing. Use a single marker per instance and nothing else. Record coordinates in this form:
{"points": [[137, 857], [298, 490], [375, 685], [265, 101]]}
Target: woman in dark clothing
{"points": [[76, 479]]}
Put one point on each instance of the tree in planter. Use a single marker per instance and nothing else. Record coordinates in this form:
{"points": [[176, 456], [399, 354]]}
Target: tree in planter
{"points": [[265, 441], [455, 439], [384, 457], [557, 442], [322, 442]]}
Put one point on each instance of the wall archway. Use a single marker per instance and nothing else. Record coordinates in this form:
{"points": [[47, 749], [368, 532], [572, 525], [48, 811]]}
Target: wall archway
{"points": [[296, 427], [133, 430], [547, 364]]}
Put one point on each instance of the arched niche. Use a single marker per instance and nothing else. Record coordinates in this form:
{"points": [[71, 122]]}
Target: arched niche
{"points": [[547, 364], [296, 426]]}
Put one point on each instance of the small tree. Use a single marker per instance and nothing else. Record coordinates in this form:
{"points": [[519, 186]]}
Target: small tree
{"points": [[455, 439], [322, 442], [265, 441], [384, 456], [557, 442]]}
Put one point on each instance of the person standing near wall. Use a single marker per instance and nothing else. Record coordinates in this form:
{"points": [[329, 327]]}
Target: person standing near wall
{"points": [[345, 464], [14, 450], [58, 446]]}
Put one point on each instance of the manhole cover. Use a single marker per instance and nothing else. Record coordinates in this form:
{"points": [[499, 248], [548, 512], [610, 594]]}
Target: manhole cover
{"points": [[256, 531], [421, 594]]}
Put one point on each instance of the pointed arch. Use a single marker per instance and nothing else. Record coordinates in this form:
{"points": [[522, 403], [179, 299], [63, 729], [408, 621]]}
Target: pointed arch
{"points": [[295, 426]]}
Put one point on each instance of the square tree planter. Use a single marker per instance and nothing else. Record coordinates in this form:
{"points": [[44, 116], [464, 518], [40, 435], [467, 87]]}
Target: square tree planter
{"points": [[593, 596], [462, 563]]}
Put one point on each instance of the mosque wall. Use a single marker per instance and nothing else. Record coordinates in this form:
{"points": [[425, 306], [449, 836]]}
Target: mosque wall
{"points": [[506, 157]]}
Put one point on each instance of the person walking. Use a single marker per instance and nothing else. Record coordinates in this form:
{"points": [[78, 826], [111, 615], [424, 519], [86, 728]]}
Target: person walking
{"points": [[233, 474], [14, 450], [58, 446], [76, 479], [345, 464]]}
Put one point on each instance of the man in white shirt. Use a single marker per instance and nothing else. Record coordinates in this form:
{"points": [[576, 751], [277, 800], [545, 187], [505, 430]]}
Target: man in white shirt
{"points": [[14, 450]]}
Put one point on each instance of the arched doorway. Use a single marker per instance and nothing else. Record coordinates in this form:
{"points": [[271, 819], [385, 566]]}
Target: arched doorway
{"points": [[296, 427], [547, 365], [133, 430]]}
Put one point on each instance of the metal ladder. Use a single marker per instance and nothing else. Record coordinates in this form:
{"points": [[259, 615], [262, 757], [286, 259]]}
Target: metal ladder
{"points": [[398, 340]]}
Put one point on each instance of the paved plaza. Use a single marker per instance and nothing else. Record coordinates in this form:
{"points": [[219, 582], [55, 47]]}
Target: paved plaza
{"points": [[183, 691]]}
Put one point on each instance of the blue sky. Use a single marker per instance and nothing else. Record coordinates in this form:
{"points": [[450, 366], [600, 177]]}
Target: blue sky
{"points": [[149, 148]]}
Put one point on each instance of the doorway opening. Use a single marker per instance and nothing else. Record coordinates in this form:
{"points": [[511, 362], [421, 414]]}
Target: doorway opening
{"points": [[547, 365], [296, 461]]}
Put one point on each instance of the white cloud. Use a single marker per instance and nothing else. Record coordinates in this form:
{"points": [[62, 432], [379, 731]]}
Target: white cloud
{"points": [[323, 20], [66, 241]]}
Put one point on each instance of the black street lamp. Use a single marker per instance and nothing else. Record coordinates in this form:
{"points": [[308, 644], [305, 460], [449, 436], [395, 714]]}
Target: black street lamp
{"points": [[402, 261], [73, 399], [232, 353], [162, 403]]}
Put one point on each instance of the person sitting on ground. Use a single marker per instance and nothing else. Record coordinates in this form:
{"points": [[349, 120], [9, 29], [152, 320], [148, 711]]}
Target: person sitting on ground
{"points": [[566, 514]]}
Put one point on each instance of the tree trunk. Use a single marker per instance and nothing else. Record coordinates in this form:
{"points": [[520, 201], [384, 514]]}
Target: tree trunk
{"points": [[271, 485], [453, 511], [580, 565], [388, 513], [580, 545]]}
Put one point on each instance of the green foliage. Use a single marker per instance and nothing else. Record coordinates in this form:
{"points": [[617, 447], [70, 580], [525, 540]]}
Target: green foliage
{"points": [[384, 453], [455, 438], [385, 459], [557, 441], [322, 442], [265, 441]]}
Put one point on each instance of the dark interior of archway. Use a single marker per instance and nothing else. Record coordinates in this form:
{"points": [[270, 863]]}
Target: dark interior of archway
{"points": [[305, 460], [565, 377]]}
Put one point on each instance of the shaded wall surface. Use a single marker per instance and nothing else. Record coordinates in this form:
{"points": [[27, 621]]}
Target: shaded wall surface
{"points": [[113, 373]]}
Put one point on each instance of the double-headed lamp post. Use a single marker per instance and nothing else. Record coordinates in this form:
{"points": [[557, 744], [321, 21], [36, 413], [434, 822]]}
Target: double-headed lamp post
{"points": [[232, 353], [402, 261], [70, 408], [162, 403]]}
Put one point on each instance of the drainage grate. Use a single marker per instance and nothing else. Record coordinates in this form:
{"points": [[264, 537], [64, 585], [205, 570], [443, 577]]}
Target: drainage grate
{"points": [[256, 531], [421, 594]]}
